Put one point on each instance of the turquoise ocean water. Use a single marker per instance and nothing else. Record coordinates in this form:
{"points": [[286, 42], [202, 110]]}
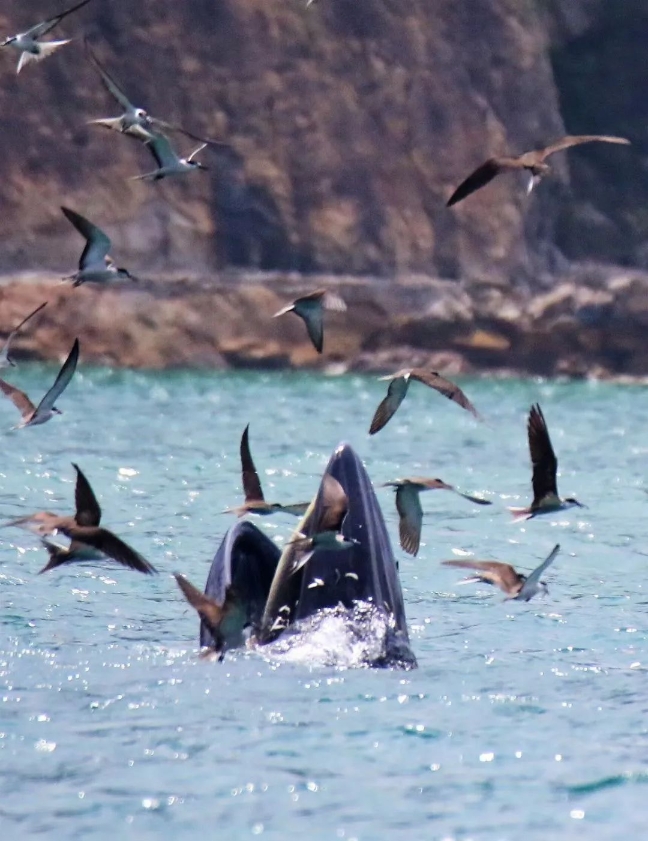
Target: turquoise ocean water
{"points": [[522, 720]]}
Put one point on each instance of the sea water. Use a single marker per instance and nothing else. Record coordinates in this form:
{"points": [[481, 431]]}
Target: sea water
{"points": [[522, 721]]}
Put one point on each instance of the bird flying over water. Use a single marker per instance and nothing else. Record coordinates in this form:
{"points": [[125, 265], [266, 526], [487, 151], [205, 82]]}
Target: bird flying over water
{"points": [[168, 160], [255, 502], [89, 540], [397, 390], [95, 264], [531, 162], [215, 617], [410, 513], [5, 360], [33, 415], [514, 584], [327, 530], [27, 43], [310, 308], [545, 467]]}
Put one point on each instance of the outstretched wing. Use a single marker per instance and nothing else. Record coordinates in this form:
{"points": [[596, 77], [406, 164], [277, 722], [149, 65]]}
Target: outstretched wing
{"points": [[62, 380], [408, 505], [111, 545], [534, 577], [18, 398], [388, 406], [480, 177], [251, 482], [334, 505], [209, 611], [543, 458], [496, 573], [445, 387], [88, 512], [46, 26], [109, 83], [97, 243], [577, 140]]}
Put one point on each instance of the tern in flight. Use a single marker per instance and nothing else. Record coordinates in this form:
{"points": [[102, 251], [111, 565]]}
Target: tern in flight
{"points": [[168, 160], [310, 308], [327, 529], [397, 390], [410, 513], [5, 359], [27, 43], [514, 584], [531, 162], [545, 466], [95, 264], [33, 415], [135, 121], [255, 502], [222, 621], [89, 540]]}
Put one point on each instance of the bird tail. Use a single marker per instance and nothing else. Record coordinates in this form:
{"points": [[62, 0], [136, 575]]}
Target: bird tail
{"points": [[520, 514], [45, 48], [57, 555], [148, 176], [113, 123]]}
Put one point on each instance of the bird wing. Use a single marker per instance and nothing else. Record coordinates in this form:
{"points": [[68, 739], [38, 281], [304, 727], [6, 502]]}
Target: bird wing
{"points": [[408, 505], [576, 140], [445, 387], [111, 545], [62, 380], [208, 610], [251, 482], [164, 126], [395, 396], [310, 309], [160, 147], [4, 353], [534, 577], [476, 499], [480, 177], [97, 243], [18, 398], [334, 505], [88, 511], [543, 458], [332, 301], [45, 26], [109, 83], [500, 575]]}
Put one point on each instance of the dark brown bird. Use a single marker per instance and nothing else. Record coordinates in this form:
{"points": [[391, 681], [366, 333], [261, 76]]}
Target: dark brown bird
{"points": [[310, 308], [410, 513], [531, 162], [545, 467], [5, 358], [254, 500], [398, 389], [514, 584], [218, 619], [84, 532], [327, 530]]}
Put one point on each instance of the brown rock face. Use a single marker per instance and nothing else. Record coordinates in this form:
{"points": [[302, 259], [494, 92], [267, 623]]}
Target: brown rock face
{"points": [[349, 123]]}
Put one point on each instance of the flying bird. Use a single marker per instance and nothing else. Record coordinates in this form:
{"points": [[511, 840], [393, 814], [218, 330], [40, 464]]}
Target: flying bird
{"points": [[95, 264], [6, 360], [255, 502], [531, 162], [545, 466], [327, 533], [135, 121], [88, 538], [218, 619], [397, 390], [27, 43], [514, 584], [310, 308], [168, 160], [33, 415], [410, 513]]}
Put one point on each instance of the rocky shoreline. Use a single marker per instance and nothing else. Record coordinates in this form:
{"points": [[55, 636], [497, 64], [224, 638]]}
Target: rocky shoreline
{"points": [[591, 323]]}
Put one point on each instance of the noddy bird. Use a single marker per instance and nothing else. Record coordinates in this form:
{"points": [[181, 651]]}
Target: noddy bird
{"points": [[27, 43], [33, 415], [89, 540], [397, 390], [327, 530], [6, 360], [410, 513], [217, 618], [135, 121], [545, 466], [168, 160], [255, 502], [514, 584], [95, 264], [310, 308], [531, 162]]}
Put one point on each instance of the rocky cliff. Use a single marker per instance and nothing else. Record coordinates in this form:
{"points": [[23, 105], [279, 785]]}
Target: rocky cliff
{"points": [[349, 123]]}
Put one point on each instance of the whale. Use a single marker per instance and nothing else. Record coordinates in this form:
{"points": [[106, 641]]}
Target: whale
{"points": [[348, 603]]}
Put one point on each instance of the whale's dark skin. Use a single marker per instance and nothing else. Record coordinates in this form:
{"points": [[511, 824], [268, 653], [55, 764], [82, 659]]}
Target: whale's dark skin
{"points": [[274, 598]]}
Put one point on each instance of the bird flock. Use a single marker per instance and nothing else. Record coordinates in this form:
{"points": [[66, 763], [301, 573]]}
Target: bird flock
{"points": [[89, 540]]}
